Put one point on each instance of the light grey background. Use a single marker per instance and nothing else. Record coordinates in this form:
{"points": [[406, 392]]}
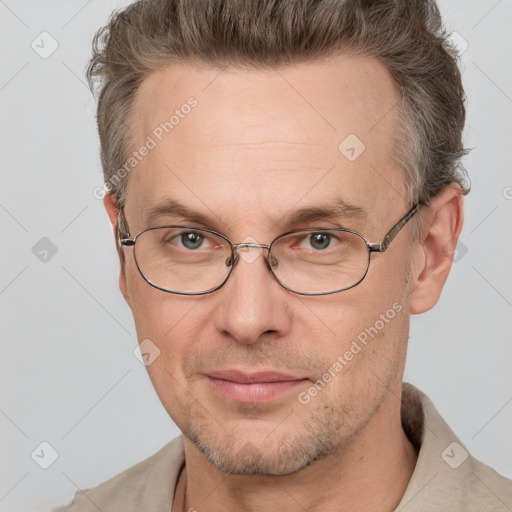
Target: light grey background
{"points": [[68, 373]]}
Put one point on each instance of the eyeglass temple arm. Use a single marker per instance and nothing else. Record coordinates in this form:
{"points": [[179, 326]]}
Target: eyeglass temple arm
{"points": [[123, 236], [382, 246]]}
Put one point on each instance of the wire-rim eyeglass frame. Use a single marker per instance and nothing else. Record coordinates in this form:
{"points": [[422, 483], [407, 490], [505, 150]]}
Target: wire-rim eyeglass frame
{"points": [[127, 241]]}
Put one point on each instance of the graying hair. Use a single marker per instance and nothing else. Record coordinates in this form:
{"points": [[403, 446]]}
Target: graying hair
{"points": [[407, 36]]}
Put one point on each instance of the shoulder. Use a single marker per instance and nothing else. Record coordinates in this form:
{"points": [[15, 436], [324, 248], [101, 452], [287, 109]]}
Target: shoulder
{"points": [[150, 482], [487, 489], [447, 476]]}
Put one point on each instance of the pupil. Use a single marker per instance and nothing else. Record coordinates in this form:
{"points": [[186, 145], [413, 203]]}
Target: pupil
{"points": [[191, 240], [320, 240]]}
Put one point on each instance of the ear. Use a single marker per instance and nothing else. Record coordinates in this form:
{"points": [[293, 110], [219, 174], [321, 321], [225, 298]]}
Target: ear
{"points": [[110, 203], [441, 227]]}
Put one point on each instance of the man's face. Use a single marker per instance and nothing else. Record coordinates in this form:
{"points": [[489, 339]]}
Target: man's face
{"points": [[257, 147]]}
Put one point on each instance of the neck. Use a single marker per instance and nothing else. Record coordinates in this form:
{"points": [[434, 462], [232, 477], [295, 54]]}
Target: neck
{"points": [[371, 473]]}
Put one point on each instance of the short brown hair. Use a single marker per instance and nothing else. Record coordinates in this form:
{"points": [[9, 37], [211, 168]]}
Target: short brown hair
{"points": [[407, 36]]}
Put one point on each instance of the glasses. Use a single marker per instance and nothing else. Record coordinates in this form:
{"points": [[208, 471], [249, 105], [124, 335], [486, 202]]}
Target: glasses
{"points": [[194, 261]]}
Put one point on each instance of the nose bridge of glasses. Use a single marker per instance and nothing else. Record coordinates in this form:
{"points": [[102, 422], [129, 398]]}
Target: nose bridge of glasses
{"points": [[243, 245], [250, 256]]}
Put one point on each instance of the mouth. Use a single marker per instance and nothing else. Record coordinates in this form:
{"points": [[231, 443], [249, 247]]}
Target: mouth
{"points": [[253, 387]]}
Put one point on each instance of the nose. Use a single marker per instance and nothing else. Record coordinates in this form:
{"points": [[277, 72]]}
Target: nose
{"points": [[252, 302]]}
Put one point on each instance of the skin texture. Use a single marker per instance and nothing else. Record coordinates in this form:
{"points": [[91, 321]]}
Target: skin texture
{"points": [[259, 145]]}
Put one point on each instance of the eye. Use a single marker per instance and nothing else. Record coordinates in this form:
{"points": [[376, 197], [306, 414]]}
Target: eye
{"points": [[319, 241], [191, 240], [186, 241], [176, 239]]}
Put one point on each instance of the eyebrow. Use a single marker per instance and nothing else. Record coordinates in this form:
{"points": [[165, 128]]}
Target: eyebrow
{"points": [[175, 209], [338, 208], [334, 209]]}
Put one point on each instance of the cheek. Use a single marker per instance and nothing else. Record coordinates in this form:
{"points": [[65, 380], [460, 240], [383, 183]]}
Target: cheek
{"points": [[362, 332], [168, 320], [348, 323], [170, 326], [364, 357]]}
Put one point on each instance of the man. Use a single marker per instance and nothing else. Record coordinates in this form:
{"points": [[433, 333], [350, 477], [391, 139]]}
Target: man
{"points": [[284, 184]]}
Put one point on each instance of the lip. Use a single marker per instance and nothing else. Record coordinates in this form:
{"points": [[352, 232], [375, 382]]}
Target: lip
{"points": [[253, 387]]}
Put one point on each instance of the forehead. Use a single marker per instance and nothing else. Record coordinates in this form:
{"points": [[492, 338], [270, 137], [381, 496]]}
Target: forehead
{"points": [[255, 141]]}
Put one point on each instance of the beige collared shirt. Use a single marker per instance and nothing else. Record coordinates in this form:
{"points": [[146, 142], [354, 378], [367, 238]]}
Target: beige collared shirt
{"points": [[446, 477]]}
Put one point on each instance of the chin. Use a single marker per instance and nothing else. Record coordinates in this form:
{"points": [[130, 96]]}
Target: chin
{"points": [[241, 455]]}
